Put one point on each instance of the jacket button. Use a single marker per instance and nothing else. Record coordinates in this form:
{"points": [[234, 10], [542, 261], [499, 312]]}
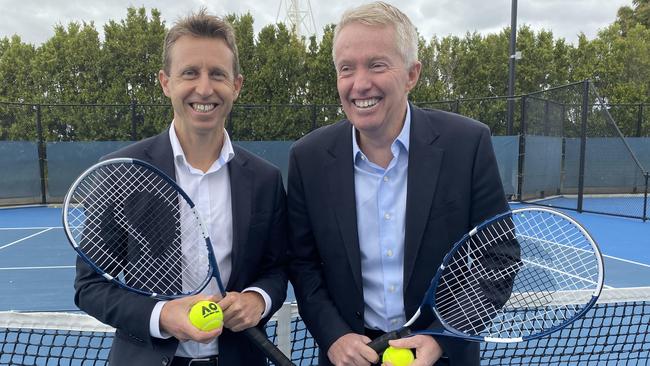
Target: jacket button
{"points": [[358, 314], [165, 361]]}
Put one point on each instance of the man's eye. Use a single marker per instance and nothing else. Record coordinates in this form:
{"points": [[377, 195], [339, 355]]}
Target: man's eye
{"points": [[345, 70], [219, 76]]}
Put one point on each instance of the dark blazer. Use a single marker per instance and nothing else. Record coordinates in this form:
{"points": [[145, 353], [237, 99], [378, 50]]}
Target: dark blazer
{"points": [[258, 259], [453, 184]]}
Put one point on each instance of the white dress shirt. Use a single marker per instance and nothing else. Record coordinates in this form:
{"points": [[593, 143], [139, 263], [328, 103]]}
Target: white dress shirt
{"points": [[381, 218], [210, 192]]}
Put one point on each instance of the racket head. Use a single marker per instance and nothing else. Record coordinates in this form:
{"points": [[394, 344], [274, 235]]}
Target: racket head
{"points": [[519, 275], [137, 228]]}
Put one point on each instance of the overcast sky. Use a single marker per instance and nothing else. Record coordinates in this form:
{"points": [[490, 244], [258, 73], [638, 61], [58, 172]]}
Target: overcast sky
{"points": [[34, 20]]}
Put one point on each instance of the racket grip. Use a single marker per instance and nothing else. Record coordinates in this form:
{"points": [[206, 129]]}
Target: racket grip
{"points": [[270, 350], [381, 343]]}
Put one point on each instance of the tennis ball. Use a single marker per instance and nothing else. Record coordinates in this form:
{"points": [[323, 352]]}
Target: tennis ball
{"points": [[398, 356], [206, 315]]}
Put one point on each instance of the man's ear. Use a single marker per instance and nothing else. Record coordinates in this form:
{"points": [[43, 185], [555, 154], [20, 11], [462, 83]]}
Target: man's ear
{"points": [[164, 81], [414, 75]]}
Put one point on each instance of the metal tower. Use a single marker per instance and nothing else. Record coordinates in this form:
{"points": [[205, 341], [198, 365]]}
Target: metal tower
{"points": [[298, 17]]}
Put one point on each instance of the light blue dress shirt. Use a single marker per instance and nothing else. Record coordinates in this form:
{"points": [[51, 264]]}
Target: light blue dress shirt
{"points": [[381, 210]]}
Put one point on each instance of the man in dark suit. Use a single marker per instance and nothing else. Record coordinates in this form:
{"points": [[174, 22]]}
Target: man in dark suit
{"points": [[239, 196], [375, 201]]}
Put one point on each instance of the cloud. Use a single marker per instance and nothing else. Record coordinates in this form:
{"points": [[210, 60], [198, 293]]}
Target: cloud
{"points": [[34, 20]]}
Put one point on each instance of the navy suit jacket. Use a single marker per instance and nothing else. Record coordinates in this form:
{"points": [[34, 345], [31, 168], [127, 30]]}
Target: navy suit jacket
{"points": [[453, 184], [258, 259]]}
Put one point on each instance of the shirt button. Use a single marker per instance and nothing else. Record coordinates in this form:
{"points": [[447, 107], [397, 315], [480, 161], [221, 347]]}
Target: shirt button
{"points": [[387, 216], [394, 321], [391, 288], [385, 179], [389, 253]]}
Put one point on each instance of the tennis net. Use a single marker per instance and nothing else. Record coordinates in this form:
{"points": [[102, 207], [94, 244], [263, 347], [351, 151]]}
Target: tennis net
{"points": [[615, 332]]}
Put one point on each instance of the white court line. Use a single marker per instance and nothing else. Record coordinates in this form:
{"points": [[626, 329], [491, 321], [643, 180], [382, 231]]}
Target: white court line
{"points": [[620, 259], [31, 228], [47, 267], [25, 238]]}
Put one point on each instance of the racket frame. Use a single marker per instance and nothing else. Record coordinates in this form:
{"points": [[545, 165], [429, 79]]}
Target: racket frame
{"points": [[449, 331], [255, 334]]}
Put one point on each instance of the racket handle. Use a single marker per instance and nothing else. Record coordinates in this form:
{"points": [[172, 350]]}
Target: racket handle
{"points": [[270, 350], [381, 343]]}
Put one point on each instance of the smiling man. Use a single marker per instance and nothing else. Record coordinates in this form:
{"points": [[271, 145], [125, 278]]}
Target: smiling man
{"points": [[376, 200], [239, 196]]}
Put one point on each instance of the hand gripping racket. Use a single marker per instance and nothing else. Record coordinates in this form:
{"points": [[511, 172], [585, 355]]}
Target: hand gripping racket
{"points": [[517, 276], [138, 229]]}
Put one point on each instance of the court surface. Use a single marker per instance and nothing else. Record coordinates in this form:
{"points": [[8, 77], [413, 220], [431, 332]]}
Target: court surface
{"points": [[37, 263]]}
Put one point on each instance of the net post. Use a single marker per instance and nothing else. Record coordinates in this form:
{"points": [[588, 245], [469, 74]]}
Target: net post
{"points": [[283, 329], [583, 142], [42, 154]]}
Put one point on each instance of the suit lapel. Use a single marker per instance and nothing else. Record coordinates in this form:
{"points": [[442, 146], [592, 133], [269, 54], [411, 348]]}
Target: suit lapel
{"points": [[340, 176], [241, 192], [160, 154], [425, 160]]}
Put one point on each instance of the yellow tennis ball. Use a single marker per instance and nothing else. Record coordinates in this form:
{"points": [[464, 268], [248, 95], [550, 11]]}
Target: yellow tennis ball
{"points": [[398, 356], [206, 315]]}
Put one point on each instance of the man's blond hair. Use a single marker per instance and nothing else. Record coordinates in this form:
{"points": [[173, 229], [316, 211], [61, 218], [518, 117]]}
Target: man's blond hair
{"points": [[380, 13]]}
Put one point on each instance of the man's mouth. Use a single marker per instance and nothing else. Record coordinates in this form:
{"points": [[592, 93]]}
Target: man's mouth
{"points": [[365, 103], [203, 108]]}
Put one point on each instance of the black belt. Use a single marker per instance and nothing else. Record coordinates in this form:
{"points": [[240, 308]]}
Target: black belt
{"points": [[206, 361]]}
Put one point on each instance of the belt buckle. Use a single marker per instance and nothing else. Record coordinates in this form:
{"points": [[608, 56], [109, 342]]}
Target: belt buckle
{"points": [[204, 361]]}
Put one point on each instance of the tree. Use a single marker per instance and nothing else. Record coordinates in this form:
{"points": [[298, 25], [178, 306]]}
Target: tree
{"points": [[16, 121], [131, 59]]}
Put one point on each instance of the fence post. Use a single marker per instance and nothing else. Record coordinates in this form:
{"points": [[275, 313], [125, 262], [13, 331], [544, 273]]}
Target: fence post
{"points": [[42, 154], [639, 120], [456, 107], [522, 151], [583, 143], [314, 115], [134, 131], [645, 197]]}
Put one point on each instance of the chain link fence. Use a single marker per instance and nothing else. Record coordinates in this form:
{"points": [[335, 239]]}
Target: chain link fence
{"points": [[43, 147]]}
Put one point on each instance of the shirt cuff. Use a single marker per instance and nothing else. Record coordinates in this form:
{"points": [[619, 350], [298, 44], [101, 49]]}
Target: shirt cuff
{"points": [[154, 322], [265, 296]]}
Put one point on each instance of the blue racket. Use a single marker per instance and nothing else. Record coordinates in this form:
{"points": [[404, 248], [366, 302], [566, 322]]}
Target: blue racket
{"points": [[517, 276], [136, 227]]}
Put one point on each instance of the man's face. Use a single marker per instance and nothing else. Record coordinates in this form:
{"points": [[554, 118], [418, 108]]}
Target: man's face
{"points": [[372, 79], [200, 84]]}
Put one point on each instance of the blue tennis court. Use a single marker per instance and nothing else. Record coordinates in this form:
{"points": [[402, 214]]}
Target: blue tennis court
{"points": [[37, 263]]}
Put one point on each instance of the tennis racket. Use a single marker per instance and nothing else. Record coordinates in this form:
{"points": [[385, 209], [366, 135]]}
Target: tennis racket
{"points": [[517, 276], [138, 229]]}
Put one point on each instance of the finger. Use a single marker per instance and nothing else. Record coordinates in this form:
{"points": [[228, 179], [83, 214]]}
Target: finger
{"points": [[409, 342], [368, 353], [227, 301]]}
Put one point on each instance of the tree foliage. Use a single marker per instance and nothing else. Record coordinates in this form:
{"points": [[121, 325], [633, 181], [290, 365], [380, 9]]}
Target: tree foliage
{"points": [[289, 81]]}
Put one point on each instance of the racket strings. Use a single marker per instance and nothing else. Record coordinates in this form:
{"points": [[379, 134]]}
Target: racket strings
{"points": [[481, 289], [495, 286], [166, 251]]}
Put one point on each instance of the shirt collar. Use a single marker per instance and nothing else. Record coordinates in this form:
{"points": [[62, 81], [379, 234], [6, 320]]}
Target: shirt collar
{"points": [[227, 151], [403, 138]]}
